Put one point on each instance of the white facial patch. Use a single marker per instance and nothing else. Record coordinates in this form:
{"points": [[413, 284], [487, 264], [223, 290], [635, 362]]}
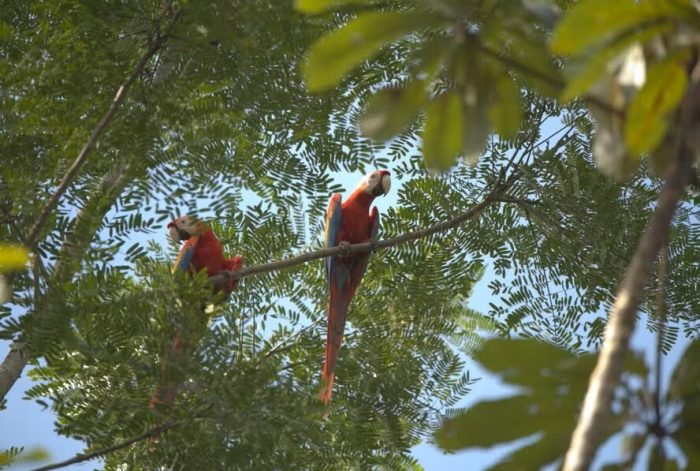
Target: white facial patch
{"points": [[174, 234]]}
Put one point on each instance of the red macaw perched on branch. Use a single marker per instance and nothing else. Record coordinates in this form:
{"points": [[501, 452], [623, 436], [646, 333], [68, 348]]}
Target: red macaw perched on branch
{"points": [[349, 223], [202, 250]]}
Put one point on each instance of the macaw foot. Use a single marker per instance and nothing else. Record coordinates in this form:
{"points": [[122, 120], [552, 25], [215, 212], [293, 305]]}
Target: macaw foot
{"points": [[344, 247]]}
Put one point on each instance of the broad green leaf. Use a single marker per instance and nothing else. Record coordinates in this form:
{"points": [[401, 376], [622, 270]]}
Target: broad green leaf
{"points": [[335, 54], [661, 461], [532, 61], [646, 117], [498, 354], [685, 380], [442, 135], [430, 58], [13, 257], [536, 455], [591, 22], [319, 6], [392, 110], [687, 437], [5, 31], [583, 74], [505, 111], [475, 129], [487, 423]]}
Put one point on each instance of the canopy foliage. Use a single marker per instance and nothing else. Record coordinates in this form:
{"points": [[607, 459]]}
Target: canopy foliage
{"points": [[219, 123]]}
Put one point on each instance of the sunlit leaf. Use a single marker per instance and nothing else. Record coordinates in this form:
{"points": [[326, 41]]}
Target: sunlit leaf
{"points": [[646, 117], [505, 112], [590, 22], [442, 135], [334, 55], [13, 257], [20, 455], [319, 6], [588, 69]]}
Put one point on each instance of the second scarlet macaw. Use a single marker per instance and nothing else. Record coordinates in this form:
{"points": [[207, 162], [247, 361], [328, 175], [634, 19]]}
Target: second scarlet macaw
{"points": [[202, 250], [348, 222]]}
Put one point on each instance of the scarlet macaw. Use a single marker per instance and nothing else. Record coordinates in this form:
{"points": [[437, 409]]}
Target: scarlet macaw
{"points": [[202, 250], [351, 222]]}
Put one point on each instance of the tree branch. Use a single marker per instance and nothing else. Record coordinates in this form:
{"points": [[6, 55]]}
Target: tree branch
{"points": [[72, 172], [13, 364], [493, 196], [81, 234], [80, 458], [591, 425]]}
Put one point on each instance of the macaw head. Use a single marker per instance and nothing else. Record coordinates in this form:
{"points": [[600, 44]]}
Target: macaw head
{"points": [[376, 183], [183, 228]]}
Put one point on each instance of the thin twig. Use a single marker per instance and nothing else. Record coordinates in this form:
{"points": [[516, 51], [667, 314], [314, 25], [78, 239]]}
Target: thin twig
{"points": [[80, 160], [591, 425], [658, 427], [287, 343], [80, 457]]}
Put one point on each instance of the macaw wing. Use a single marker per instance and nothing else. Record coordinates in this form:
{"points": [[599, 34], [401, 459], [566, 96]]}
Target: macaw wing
{"points": [[331, 229], [183, 261], [359, 268], [344, 278]]}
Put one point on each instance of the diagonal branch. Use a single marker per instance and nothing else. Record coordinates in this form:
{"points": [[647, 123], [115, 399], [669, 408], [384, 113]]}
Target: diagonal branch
{"points": [[80, 458], [473, 211], [80, 160], [591, 425], [84, 227]]}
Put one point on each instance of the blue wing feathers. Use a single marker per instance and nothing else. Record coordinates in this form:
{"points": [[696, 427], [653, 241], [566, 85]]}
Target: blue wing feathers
{"points": [[333, 218]]}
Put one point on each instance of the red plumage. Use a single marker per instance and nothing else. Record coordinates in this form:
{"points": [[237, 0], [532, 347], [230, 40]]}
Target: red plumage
{"points": [[209, 254], [202, 250], [351, 222]]}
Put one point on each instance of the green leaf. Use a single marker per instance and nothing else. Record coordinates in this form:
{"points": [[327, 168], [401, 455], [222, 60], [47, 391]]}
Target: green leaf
{"points": [[497, 355], [319, 6], [486, 423], [392, 110], [505, 111], [687, 439], [13, 257], [475, 129], [586, 72], [489, 423], [646, 117], [536, 455], [335, 54], [591, 22], [442, 135], [686, 377]]}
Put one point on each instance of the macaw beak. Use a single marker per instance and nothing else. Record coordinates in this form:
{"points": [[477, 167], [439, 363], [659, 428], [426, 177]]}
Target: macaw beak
{"points": [[384, 184], [176, 234]]}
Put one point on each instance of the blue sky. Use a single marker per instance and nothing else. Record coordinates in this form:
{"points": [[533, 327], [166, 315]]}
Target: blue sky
{"points": [[25, 423]]}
